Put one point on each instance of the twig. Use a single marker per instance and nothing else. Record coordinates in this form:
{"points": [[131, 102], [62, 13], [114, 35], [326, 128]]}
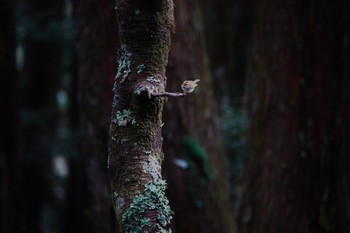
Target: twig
{"points": [[170, 94]]}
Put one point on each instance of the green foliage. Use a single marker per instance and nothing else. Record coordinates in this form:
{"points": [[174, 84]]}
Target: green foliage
{"points": [[197, 155], [135, 218], [233, 128]]}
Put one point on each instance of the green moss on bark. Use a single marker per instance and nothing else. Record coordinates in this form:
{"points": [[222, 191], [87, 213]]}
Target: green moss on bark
{"points": [[139, 216]]}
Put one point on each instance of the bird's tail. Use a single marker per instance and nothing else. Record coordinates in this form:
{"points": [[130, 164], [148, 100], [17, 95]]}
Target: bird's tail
{"points": [[196, 81]]}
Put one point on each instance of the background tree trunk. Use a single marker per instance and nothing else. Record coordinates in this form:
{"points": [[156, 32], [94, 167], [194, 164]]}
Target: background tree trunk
{"points": [[96, 40], [298, 110], [42, 68], [195, 162], [135, 133], [9, 159], [228, 26]]}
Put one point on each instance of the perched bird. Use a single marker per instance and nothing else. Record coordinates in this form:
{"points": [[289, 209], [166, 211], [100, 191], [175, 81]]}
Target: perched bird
{"points": [[188, 86]]}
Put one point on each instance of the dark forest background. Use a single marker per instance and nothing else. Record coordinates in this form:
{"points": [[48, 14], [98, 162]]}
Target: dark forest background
{"points": [[261, 146]]}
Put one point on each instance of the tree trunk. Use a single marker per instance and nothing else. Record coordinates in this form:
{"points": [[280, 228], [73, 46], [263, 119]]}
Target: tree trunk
{"points": [[228, 28], [9, 159], [195, 162], [96, 44], [135, 154], [298, 119], [41, 25]]}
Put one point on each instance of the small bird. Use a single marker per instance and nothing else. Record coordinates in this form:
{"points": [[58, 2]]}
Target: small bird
{"points": [[188, 86]]}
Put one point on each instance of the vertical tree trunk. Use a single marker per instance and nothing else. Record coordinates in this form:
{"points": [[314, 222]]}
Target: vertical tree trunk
{"points": [[9, 159], [195, 162], [228, 29], [96, 44], [298, 111], [135, 133], [228, 26], [41, 24]]}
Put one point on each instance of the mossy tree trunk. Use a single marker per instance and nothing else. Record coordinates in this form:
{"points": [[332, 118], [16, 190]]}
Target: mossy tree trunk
{"points": [[96, 39], [135, 154], [195, 164], [296, 178]]}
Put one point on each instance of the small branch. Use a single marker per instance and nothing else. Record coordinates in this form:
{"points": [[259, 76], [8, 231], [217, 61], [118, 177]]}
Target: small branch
{"points": [[170, 94]]}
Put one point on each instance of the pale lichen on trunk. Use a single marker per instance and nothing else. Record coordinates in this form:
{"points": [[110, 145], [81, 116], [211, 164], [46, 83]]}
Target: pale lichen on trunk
{"points": [[135, 151]]}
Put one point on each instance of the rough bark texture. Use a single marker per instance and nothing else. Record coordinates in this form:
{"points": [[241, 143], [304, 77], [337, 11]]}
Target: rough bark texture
{"points": [[135, 154], [298, 111], [9, 159], [195, 162], [96, 39]]}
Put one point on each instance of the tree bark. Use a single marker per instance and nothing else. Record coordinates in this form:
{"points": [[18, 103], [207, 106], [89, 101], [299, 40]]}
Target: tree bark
{"points": [[96, 39], [195, 162], [298, 111], [135, 154]]}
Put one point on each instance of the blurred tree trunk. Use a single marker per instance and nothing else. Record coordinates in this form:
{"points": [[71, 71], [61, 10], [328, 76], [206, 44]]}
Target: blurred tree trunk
{"points": [[228, 29], [195, 162], [9, 159], [136, 155], [297, 177], [41, 25], [96, 40], [228, 25]]}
